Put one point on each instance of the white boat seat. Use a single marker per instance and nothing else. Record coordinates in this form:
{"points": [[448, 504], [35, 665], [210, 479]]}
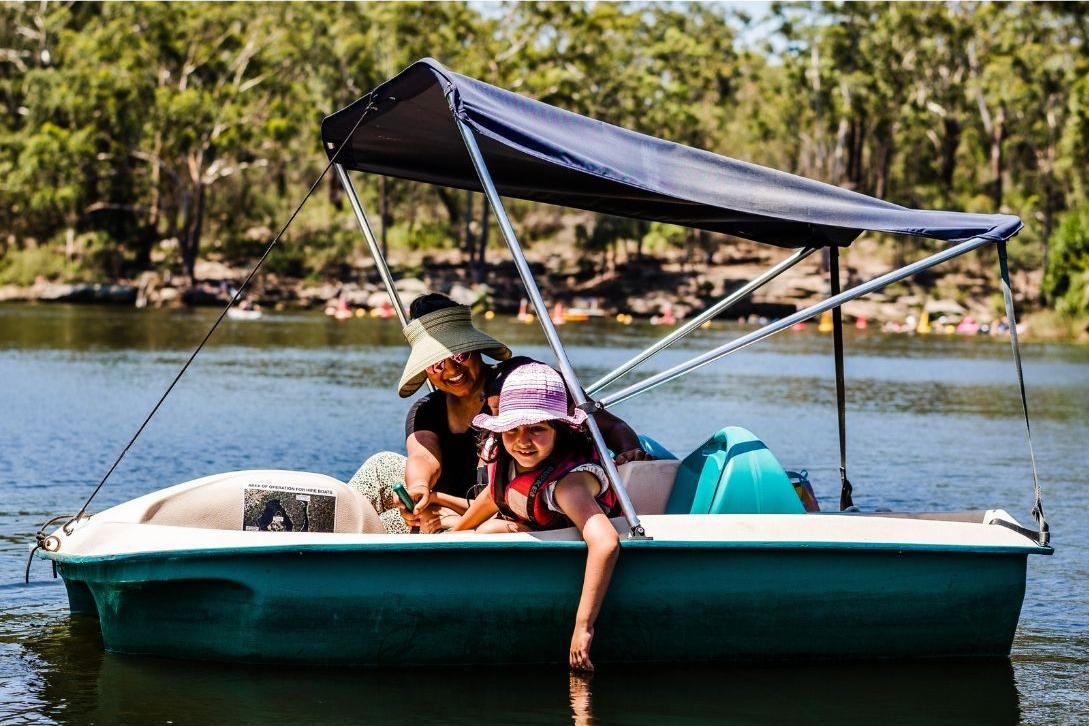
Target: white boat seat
{"points": [[649, 483], [218, 502]]}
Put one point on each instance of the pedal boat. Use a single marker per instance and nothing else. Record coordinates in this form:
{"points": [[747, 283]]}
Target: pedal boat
{"points": [[718, 562], [173, 574]]}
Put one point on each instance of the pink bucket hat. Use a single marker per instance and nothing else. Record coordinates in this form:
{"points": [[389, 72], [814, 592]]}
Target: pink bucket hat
{"points": [[531, 394]]}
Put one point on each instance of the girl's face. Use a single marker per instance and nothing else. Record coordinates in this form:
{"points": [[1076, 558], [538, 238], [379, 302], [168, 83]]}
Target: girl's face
{"points": [[530, 445]]}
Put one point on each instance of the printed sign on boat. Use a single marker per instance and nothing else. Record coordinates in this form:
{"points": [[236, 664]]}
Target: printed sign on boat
{"points": [[282, 508]]}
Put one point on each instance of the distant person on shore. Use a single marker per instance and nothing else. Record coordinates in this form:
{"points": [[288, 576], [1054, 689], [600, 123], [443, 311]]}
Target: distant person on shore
{"points": [[545, 475], [440, 471]]}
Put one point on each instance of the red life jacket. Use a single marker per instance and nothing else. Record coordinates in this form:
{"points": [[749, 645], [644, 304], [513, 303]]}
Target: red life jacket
{"points": [[522, 498]]}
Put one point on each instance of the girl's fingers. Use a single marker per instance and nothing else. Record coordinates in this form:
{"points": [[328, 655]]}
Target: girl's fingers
{"points": [[579, 660]]}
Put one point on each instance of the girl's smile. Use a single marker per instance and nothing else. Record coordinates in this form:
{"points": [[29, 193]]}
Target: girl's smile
{"points": [[530, 445]]}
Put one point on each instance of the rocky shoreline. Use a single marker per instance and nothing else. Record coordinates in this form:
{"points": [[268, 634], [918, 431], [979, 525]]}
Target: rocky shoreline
{"points": [[643, 287]]}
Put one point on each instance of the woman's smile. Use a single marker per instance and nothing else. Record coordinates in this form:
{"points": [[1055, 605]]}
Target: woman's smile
{"points": [[458, 379]]}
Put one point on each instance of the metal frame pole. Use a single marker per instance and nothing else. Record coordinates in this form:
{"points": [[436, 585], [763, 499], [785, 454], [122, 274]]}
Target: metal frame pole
{"points": [[372, 242], [845, 490], [376, 250], [566, 370], [722, 305], [757, 335]]}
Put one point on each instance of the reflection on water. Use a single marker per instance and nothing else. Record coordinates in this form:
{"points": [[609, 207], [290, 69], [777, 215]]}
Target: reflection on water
{"points": [[79, 684], [932, 424]]}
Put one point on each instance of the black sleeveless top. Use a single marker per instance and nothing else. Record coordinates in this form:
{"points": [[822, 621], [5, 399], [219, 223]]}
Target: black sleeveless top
{"points": [[458, 450]]}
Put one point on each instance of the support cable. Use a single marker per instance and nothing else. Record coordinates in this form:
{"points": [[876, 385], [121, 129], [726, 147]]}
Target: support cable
{"points": [[845, 500], [1007, 296], [238, 293]]}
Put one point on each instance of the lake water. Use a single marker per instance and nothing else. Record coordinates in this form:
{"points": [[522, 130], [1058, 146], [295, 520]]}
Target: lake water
{"points": [[933, 423]]}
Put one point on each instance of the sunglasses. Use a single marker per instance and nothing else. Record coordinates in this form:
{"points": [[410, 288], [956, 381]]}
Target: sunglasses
{"points": [[460, 359]]}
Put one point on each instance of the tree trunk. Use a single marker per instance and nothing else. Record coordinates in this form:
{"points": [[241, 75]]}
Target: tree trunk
{"points": [[191, 232], [468, 245], [1048, 167], [336, 193], [156, 180], [450, 204], [854, 165], [69, 247], [998, 136], [883, 162], [839, 156], [950, 144], [482, 243]]}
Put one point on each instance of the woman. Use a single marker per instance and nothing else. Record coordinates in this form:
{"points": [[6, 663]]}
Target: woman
{"points": [[440, 471]]}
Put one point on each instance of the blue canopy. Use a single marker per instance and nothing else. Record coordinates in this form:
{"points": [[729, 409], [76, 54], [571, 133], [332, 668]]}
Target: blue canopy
{"points": [[539, 152]]}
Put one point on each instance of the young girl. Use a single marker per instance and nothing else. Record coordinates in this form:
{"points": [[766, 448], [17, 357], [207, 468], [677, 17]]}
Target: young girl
{"points": [[544, 476]]}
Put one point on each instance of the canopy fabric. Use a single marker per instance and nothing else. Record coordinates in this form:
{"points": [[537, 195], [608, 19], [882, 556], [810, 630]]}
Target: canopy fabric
{"points": [[539, 152]]}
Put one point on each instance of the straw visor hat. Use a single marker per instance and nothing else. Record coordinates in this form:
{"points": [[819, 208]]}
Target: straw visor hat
{"points": [[439, 335], [531, 394]]}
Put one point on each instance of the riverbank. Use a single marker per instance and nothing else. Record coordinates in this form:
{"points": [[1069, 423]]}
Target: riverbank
{"points": [[649, 285]]}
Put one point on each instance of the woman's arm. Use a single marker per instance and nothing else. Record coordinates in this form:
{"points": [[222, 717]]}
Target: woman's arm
{"points": [[620, 437], [422, 470], [574, 496], [480, 511]]}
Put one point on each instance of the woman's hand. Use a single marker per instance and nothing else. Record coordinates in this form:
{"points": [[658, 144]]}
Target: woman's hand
{"points": [[420, 493], [636, 454], [579, 658]]}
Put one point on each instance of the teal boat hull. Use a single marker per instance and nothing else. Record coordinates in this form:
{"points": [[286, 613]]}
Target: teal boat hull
{"points": [[478, 602]]}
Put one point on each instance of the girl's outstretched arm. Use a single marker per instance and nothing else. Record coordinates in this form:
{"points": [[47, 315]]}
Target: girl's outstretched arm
{"points": [[575, 497], [480, 511]]}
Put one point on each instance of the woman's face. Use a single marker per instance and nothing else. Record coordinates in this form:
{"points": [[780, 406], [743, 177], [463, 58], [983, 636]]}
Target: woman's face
{"points": [[458, 379], [530, 445]]}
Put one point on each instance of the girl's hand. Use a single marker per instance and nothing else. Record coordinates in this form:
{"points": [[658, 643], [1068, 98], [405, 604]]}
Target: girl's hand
{"points": [[579, 658], [430, 521]]}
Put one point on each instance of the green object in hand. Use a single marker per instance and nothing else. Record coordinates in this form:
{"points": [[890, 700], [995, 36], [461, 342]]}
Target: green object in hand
{"points": [[402, 494]]}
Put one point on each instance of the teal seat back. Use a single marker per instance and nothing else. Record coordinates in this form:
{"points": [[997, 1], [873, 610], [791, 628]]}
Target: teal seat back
{"points": [[655, 449], [733, 472]]}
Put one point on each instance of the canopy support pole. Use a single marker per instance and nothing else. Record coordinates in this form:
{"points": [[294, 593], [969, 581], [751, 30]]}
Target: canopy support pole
{"points": [[376, 250], [1044, 535], [724, 304], [566, 370], [372, 243], [813, 310], [845, 500]]}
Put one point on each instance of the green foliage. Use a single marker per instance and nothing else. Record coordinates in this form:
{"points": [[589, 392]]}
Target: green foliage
{"points": [[128, 124], [1066, 284], [23, 267], [660, 237]]}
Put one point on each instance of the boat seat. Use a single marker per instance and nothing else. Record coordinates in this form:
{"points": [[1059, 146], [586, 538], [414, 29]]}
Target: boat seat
{"points": [[649, 483], [733, 472], [219, 502], [654, 448]]}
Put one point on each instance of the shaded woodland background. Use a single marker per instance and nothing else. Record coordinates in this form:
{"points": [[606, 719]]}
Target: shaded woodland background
{"points": [[139, 136]]}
